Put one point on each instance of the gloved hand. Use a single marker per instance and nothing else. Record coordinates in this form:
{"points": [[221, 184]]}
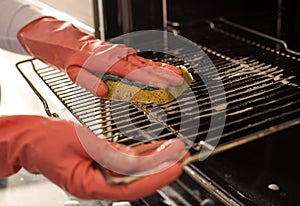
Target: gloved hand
{"points": [[83, 57], [61, 151]]}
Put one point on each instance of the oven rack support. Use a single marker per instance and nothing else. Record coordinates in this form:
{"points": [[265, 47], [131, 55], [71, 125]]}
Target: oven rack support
{"points": [[257, 33]]}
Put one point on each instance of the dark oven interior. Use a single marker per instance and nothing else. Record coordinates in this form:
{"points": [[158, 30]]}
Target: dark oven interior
{"points": [[256, 160]]}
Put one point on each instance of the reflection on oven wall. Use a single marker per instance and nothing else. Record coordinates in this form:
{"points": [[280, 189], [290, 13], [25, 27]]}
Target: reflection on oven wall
{"points": [[123, 16], [279, 18]]}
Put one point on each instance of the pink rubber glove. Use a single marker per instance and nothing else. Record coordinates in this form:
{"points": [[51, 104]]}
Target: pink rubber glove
{"points": [[61, 151], [84, 58]]}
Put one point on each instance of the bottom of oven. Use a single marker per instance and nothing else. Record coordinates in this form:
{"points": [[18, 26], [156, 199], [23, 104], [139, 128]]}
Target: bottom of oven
{"points": [[264, 172]]}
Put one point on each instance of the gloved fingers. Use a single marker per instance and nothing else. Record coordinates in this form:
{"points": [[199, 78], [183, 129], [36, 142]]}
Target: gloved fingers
{"points": [[88, 81], [138, 60], [150, 148], [130, 71], [89, 183], [146, 158], [170, 76], [168, 72], [155, 77], [163, 156], [124, 160]]}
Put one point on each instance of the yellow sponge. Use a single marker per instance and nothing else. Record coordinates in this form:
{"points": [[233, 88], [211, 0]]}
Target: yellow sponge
{"points": [[118, 90]]}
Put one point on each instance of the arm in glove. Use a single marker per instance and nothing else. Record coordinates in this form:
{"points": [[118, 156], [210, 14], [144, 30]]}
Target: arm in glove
{"points": [[61, 151], [84, 58]]}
